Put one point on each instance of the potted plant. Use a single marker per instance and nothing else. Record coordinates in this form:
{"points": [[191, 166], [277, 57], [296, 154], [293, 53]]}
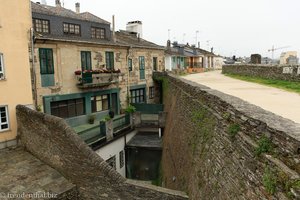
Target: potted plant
{"points": [[92, 118]]}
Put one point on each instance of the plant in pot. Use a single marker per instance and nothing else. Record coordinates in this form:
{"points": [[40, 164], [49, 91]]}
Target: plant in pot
{"points": [[92, 118]]}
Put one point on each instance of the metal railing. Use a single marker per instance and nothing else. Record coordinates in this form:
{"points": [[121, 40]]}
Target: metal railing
{"points": [[121, 122]]}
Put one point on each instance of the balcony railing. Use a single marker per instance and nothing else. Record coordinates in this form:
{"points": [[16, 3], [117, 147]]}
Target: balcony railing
{"points": [[121, 122], [90, 80]]}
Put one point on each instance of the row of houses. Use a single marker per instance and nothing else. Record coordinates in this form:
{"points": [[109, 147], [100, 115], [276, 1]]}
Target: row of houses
{"points": [[190, 58], [78, 64]]}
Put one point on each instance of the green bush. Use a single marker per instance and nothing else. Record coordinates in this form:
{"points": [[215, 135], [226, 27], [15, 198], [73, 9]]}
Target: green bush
{"points": [[233, 129], [130, 109], [264, 146]]}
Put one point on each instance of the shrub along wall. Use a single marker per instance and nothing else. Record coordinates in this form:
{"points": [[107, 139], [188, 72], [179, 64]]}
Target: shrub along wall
{"points": [[281, 72], [219, 147]]}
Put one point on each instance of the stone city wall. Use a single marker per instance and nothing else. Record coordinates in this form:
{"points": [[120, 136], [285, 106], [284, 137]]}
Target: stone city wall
{"points": [[220, 147], [280, 72]]}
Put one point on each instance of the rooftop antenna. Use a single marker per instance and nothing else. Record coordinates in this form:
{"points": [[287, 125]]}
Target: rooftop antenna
{"points": [[197, 32], [207, 43], [183, 38], [169, 30]]}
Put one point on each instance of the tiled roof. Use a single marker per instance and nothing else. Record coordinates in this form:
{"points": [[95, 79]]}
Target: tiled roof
{"points": [[173, 51], [63, 12], [130, 39]]}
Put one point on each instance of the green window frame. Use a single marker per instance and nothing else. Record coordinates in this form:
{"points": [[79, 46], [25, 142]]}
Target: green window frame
{"points": [[109, 59], [151, 92], [130, 64], [138, 95], [86, 61], [46, 61], [142, 67], [99, 103], [68, 108]]}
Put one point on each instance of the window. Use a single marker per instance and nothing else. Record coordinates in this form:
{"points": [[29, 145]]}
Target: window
{"points": [[73, 29], [142, 67], [68, 108], [46, 61], [3, 118], [86, 62], [154, 63], [130, 64], [46, 67], [112, 162], [151, 92], [98, 33], [41, 25], [109, 58], [1, 67], [99, 103], [137, 95], [121, 155]]}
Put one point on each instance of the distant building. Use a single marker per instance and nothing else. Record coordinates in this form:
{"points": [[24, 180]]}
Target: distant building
{"points": [[255, 58], [292, 60], [185, 56], [266, 60], [285, 55], [15, 81]]}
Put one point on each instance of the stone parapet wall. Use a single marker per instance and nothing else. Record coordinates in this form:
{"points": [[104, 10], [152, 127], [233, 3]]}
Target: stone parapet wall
{"points": [[52, 141], [280, 72], [212, 143]]}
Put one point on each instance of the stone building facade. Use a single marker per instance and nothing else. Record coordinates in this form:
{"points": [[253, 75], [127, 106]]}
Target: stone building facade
{"points": [[81, 67]]}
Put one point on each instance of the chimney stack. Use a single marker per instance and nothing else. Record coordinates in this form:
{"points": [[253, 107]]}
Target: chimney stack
{"points": [[57, 3], [169, 44], [77, 7], [113, 29]]}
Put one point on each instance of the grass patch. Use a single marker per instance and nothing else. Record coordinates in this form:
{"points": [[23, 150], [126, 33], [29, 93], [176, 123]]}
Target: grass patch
{"points": [[233, 129], [269, 180], [292, 86], [264, 146]]}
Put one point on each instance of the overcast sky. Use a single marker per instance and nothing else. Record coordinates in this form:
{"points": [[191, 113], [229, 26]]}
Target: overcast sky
{"points": [[232, 27]]}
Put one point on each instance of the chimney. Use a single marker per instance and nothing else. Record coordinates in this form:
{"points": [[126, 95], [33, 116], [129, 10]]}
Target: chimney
{"points": [[169, 44], [212, 50], [113, 29], [57, 3], [77, 7], [199, 45]]}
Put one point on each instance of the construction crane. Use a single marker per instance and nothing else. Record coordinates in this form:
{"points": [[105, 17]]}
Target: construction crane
{"points": [[274, 49]]}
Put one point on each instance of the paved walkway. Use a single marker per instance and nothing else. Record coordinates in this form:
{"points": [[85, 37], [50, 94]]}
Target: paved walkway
{"points": [[280, 102]]}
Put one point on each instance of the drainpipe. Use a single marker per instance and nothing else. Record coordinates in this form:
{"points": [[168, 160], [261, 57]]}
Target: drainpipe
{"points": [[33, 69], [128, 86]]}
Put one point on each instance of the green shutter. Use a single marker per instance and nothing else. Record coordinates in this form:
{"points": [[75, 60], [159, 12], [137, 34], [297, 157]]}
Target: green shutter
{"points": [[142, 67], [86, 62], [46, 67], [109, 59], [130, 64]]}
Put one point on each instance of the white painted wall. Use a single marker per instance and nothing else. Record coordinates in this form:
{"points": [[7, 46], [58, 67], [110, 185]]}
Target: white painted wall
{"points": [[168, 62], [114, 148], [218, 62]]}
